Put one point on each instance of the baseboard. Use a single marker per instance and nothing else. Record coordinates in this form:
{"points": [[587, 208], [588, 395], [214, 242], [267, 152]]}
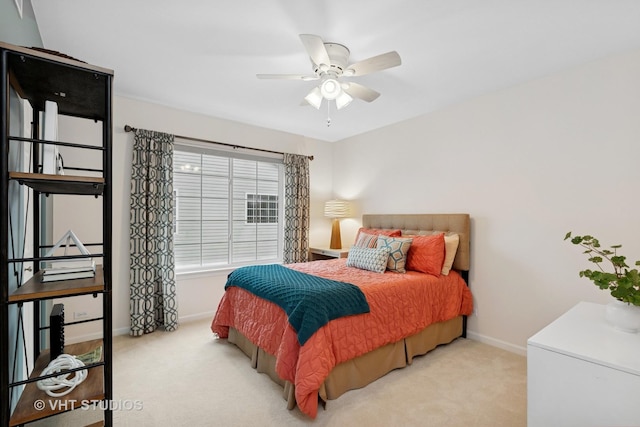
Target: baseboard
{"points": [[83, 338], [522, 351], [121, 331], [199, 316], [125, 331]]}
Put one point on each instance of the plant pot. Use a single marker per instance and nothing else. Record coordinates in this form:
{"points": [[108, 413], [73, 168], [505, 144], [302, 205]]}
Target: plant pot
{"points": [[623, 316]]}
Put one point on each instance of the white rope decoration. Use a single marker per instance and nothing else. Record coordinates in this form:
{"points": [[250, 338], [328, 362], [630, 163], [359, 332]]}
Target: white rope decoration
{"points": [[62, 362]]}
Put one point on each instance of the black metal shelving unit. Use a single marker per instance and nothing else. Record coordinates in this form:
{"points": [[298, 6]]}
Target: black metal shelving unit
{"points": [[83, 91]]}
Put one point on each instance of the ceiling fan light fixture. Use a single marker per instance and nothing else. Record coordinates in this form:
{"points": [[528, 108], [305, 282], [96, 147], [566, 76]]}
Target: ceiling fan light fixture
{"points": [[330, 88], [330, 62], [314, 98], [343, 100]]}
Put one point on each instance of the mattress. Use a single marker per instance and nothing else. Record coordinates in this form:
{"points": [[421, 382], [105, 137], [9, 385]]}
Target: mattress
{"points": [[402, 307]]}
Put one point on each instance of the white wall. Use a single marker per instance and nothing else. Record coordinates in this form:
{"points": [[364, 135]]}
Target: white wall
{"points": [[21, 31], [528, 164], [198, 295]]}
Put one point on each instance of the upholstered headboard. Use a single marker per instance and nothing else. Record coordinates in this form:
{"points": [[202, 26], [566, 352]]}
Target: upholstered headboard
{"points": [[429, 224]]}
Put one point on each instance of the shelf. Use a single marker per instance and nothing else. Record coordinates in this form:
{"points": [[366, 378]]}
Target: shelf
{"points": [[34, 289], [79, 89], [92, 388], [82, 91], [60, 184]]}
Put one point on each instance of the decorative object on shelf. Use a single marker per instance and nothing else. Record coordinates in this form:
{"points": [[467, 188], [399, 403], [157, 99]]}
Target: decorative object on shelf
{"points": [[69, 268], [336, 209], [52, 163], [56, 331], [93, 356], [56, 53], [65, 381], [623, 283]]}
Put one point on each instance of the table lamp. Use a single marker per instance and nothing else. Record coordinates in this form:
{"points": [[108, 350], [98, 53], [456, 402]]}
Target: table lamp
{"points": [[336, 209]]}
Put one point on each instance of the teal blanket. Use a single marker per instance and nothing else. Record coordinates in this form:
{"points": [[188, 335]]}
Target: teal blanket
{"points": [[309, 301]]}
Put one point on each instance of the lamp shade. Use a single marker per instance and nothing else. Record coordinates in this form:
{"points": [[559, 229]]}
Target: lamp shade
{"points": [[343, 100], [337, 209], [330, 89], [314, 98]]}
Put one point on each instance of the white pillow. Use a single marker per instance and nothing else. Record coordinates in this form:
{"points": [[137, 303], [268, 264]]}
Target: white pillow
{"points": [[451, 243]]}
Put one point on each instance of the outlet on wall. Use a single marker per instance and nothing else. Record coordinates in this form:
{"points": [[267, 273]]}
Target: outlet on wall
{"points": [[78, 315]]}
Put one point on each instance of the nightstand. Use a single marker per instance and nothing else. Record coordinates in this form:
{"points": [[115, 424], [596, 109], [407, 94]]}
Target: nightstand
{"points": [[583, 372], [316, 254]]}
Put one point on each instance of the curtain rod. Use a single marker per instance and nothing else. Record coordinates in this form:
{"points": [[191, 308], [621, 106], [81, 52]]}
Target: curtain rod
{"points": [[128, 128]]}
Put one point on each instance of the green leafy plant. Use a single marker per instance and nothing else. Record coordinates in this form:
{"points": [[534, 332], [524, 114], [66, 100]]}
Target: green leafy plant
{"points": [[623, 283]]}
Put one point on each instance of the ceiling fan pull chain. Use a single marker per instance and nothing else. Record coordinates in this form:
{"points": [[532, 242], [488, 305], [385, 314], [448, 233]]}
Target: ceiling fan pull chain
{"points": [[328, 113]]}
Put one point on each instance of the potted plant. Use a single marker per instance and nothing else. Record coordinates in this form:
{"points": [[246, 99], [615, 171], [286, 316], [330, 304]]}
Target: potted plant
{"points": [[623, 283]]}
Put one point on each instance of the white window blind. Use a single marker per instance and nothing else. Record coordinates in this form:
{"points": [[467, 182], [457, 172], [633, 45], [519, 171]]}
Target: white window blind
{"points": [[228, 209]]}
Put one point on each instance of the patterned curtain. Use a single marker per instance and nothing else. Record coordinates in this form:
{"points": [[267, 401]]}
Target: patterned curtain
{"points": [[296, 208], [151, 278]]}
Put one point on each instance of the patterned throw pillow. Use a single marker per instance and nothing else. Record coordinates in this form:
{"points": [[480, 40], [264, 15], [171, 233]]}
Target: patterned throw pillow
{"points": [[372, 259], [398, 248], [378, 232], [366, 240]]}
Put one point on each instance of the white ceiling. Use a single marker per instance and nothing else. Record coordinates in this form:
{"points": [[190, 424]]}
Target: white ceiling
{"points": [[203, 55]]}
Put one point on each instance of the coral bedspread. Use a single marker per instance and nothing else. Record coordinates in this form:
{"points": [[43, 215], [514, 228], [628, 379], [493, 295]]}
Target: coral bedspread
{"points": [[400, 306]]}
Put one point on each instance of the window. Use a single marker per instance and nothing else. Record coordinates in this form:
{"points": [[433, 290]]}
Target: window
{"points": [[262, 208], [227, 209]]}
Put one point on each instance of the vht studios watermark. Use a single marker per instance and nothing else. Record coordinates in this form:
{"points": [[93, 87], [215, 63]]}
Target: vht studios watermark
{"points": [[71, 404]]}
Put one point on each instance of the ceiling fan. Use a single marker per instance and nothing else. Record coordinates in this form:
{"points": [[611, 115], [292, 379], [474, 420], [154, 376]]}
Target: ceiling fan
{"points": [[330, 62]]}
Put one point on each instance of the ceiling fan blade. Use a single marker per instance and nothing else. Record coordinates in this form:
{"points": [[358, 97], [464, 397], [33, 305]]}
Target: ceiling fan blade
{"points": [[373, 64], [358, 91], [287, 77], [316, 49]]}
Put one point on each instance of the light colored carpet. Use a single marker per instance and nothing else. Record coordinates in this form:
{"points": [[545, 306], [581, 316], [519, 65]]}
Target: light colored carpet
{"points": [[187, 378]]}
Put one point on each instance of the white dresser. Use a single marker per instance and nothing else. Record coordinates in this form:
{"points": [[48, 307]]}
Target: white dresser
{"points": [[583, 372]]}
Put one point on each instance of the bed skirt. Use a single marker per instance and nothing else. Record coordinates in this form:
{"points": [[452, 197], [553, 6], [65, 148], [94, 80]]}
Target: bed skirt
{"points": [[356, 373]]}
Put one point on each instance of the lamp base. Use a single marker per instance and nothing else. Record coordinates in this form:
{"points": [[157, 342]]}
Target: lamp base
{"points": [[336, 240]]}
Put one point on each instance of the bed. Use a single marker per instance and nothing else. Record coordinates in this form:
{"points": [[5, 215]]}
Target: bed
{"points": [[409, 314]]}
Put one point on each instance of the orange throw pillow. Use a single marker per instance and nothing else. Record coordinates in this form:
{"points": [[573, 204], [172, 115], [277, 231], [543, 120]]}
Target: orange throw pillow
{"points": [[378, 231], [426, 254]]}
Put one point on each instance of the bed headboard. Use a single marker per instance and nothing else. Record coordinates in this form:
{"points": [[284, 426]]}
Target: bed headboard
{"points": [[429, 224]]}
